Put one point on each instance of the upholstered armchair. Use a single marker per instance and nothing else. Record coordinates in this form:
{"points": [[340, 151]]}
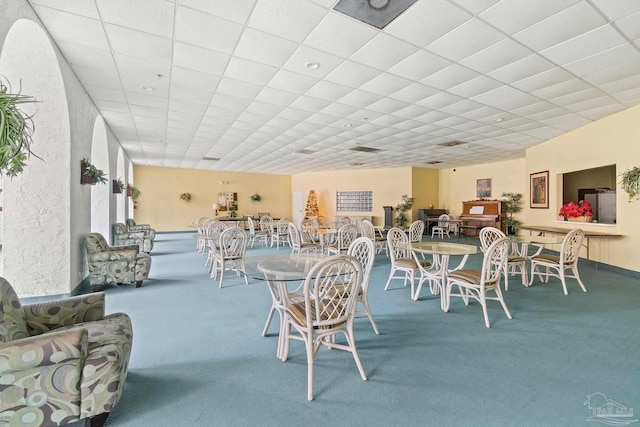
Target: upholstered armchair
{"points": [[146, 228], [123, 237], [115, 264], [60, 361]]}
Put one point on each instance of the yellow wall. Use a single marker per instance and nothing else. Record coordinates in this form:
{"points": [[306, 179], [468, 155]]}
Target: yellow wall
{"points": [[161, 206], [425, 184], [508, 176]]}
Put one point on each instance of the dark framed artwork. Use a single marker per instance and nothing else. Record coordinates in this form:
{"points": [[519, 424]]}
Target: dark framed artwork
{"points": [[483, 188], [539, 190]]}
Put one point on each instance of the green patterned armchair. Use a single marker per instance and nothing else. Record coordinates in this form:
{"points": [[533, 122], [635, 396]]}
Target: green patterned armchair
{"points": [[115, 264], [149, 232], [60, 361], [122, 237]]}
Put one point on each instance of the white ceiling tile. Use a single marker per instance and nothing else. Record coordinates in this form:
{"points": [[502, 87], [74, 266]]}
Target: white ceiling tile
{"points": [[264, 48], [234, 10], [304, 55], [72, 28], [387, 106], [339, 110], [565, 25], [249, 71], [199, 59], [518, 70], [78, 7], [385, 84], [383, 52], [145, 86], [561, 89], [125, 41], [147, 100], [449, 77], [292, 82], [200, 29], [340, 35], [512, 16], [601, 61], [142, 69], [542, 80], [238, 88], [289, 19], [329, 91], [360, 98], [476, 34], [107, 94], [188, 94], [427, 21], [590, 43], [139, 110], [414, 92], [497, 55], [419, 65], [439, 100], [106, 77], [309, 104], [352, 74], [475, 6], [150, 16], [630, 25], [194, 79], [276, 96], [475, 86], [614, 73], [617, 9], [86, 56], [505, 98]]}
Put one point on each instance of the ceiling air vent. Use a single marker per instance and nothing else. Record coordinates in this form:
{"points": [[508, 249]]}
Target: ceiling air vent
{"points": [[305, 151], [365, 149], [214, 159], [452, 143], [377, 13], [357, 164], [434, 162]]}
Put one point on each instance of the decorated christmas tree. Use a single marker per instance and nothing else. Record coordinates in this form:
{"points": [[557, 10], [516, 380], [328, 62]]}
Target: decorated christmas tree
{"points": [[312, 205]]}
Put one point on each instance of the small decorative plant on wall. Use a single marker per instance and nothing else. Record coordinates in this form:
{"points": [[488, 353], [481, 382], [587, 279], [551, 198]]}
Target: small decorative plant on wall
{"points": [[255, 197], [16, 131], [630, 181], [186, 197], [133, 192], [118, 186], [402, 208], [89, 174]]}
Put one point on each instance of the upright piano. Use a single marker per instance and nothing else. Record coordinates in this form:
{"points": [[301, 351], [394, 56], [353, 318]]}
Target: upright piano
{"points": [[480, 213], [430, 217]]}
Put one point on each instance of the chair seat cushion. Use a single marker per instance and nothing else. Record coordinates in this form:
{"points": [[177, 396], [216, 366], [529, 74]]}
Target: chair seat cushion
{"points": [[548, 258], [466, 275], [297, 311], [411, 263], [515, 259]]}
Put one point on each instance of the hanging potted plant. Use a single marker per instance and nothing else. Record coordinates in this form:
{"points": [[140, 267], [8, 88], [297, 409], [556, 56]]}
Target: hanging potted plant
{"points": [[186, 197], [118, 186], [630, 181], [89, 174], [133, 192], [16, 131], [511, 204], [255, 197]]}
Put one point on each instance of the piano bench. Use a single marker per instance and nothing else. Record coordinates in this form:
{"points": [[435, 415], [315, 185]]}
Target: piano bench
{"points": [[476, 230]]}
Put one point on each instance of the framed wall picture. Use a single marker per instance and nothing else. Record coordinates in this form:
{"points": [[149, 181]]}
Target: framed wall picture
{"points": [[483, 189], [540, 190]]}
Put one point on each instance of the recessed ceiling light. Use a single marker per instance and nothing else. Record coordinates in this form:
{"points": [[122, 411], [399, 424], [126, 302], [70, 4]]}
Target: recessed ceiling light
{"points": [[312, 65], [147, 88], [378, 4], [347, 125], [499, 119]]}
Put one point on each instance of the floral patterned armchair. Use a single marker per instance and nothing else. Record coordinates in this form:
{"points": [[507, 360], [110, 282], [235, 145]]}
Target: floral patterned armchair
{"points": [[122, 237], [149, 232], [115, 264], [60, 361]]}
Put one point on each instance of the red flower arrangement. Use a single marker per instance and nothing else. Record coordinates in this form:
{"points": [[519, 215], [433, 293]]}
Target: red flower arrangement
{"points": [[572, 210]]}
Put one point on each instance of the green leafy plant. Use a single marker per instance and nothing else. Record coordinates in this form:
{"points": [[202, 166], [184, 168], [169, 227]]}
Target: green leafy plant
{"points": [[255, 197], [402, 208], [630, 181], [185, 197], [511, 204], [16, 131], [133, 192], [118, 185], [233, 209], [91, 174]]}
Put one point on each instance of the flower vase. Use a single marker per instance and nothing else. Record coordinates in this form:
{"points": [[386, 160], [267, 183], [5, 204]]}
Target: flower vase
{"points": [[581, 219]]}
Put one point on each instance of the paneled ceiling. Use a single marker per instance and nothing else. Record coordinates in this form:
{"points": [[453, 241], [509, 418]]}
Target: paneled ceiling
{"points": [[290, 86]]}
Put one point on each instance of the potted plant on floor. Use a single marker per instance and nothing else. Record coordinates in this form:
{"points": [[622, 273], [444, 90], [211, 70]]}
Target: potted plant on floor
{"points": [[402, 208], [511, 204], [16, 131], [89, 174]]}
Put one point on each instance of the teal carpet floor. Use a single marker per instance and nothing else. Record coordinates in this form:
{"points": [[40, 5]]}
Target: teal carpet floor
{"points": [[199, 358]]}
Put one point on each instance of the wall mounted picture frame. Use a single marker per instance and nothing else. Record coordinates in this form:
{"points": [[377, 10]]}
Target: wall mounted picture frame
{"points": [[539, 189], [483, 188]]}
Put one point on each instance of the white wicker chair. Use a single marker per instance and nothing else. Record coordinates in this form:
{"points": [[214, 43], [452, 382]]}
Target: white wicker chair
{"points": [[401, 259], [442, 228], [516, 264], [476, 284], [363, 249], [555, 265], [230, 255], [346, 234]]}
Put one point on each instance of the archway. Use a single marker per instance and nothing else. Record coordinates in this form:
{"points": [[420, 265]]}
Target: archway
{"points": [[36, 211], [100, 192]]}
